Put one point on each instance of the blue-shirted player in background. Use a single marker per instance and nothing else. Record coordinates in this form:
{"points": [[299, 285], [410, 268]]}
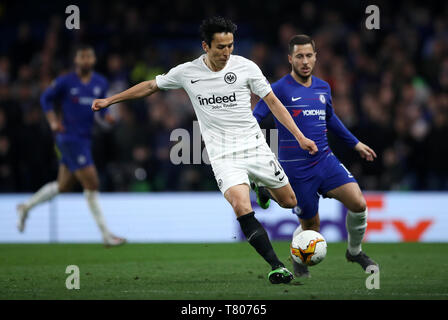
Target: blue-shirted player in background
{"points": [[309, 101], [75, 91]]}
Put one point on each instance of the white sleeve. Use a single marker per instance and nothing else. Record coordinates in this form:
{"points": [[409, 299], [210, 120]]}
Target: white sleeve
{"points": [[257, 81], [171, 80]]}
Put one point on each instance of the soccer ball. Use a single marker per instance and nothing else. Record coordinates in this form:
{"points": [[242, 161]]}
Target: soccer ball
{"points": [[308, 248]]}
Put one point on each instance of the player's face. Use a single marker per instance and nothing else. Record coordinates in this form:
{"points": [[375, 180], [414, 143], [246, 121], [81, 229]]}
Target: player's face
{"points": [[85, 60], [302, 60], [220, 48]]}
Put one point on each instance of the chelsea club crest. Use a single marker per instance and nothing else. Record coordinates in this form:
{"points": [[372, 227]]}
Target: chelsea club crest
{"points": [[322, 98]]}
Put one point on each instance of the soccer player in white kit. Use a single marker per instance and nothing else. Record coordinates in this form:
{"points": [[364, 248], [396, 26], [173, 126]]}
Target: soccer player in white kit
{"points": [[219, 85]]}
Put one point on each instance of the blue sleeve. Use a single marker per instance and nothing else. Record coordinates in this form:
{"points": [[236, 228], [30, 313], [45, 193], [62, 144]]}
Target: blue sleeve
{"points": [[261, 109], [51, 93], [337, 127]]}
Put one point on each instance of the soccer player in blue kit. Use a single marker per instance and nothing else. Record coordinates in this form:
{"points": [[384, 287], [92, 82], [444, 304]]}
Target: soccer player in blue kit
{"points": [[75, 91], [309, 101]]}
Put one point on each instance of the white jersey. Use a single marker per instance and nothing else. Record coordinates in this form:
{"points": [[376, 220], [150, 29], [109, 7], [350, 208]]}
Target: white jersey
{"points": [[221, 101]]}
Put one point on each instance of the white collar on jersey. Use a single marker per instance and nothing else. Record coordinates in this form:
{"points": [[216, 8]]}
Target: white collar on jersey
{"points": [[202, 58]]}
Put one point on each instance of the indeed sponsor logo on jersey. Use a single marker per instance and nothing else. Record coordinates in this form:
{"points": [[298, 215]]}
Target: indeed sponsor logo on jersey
{"points": [[313, 112], [215, 100]]}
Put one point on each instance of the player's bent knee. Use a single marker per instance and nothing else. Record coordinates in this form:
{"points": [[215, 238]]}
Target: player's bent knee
{"points": [[62, 188], [92, 184], [241, 209], [240, 206], [359, 206], [288, 202]]}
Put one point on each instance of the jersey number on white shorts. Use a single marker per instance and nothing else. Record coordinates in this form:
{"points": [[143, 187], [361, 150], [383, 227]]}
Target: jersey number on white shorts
{"points": [[277, 169]]}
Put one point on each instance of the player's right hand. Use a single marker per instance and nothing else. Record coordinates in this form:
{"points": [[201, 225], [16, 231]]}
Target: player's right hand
{"points": [[308, 145], [99, 104]]}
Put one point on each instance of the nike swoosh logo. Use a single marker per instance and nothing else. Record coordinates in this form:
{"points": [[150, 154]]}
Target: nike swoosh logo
{"points": [[252, 235], [194, 81], [281, 179], [295, 99]]}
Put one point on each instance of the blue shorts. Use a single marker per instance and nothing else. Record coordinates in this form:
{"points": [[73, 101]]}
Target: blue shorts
{"points": [[328, 174], [74, 153]]}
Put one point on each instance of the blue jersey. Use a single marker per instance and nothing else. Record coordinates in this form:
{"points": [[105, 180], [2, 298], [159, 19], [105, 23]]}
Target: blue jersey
{"points": [[76, 99], [312, 110]]}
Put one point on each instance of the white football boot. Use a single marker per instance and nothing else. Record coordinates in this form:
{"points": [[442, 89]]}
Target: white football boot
{"points": [[113, 241]]}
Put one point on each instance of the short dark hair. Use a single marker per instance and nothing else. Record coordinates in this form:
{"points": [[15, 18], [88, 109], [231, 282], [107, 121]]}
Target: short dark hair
{"points": [[299, 40], [75, 49], [83, 46], [213, 25]]}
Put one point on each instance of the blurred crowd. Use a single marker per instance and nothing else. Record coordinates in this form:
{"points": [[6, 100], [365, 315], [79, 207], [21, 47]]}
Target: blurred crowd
{"points": [[389, 86]]}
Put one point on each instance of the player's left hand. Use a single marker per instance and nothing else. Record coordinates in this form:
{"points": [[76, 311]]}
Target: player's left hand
{"points": [[365, 151], [308, 145], [99, 104]]}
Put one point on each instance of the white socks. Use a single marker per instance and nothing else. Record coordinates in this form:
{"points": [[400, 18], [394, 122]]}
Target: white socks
{"points": [[92, 201], [45, 193], [356, 223], [51, 189], [297, 231]]}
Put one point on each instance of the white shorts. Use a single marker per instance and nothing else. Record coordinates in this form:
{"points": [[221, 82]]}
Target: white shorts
{"points": [[258, 164]]}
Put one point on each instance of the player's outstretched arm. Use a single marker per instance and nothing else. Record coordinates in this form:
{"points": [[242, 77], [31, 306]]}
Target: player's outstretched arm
{"points": [[140, 90], [279, 111], [338, 128]]}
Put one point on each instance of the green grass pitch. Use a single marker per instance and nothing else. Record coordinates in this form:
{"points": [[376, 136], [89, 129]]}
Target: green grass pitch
{"points": [[215, 271]]}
